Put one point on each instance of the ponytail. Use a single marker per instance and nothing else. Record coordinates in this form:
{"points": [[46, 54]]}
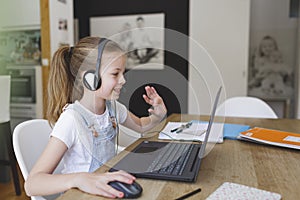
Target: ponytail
{"points": [[60, 84]]}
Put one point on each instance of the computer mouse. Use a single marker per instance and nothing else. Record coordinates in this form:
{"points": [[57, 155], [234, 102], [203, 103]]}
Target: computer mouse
{"points": [[130, 191]]}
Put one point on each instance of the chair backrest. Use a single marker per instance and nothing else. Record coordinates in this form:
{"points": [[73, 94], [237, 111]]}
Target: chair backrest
{"points": [[29, 140], [249, 107], [5, 98], [126, 137]]}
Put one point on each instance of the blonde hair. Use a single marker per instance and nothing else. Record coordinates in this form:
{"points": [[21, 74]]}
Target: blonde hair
{"points": [[65, 83]]}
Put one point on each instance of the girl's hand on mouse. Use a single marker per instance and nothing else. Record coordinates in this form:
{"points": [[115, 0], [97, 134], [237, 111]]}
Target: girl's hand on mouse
{"points": [[158, 109], [97, 184]]}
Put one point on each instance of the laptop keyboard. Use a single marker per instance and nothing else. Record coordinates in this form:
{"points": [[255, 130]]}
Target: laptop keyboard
{"points": [[172, 159]]}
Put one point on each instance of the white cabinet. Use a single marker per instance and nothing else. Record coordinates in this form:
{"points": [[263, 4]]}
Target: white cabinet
{"points": [[19, 14]]}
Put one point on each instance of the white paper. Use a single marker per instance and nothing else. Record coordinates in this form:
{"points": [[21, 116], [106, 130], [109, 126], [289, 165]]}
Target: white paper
{"points": [[196, 132]]}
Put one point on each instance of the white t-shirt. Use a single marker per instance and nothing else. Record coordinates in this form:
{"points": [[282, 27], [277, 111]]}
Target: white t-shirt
{"points": [[78, 158]]}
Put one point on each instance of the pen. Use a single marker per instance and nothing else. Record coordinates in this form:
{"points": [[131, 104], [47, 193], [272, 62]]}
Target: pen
{"points": [[175, 129], [180, 128], [189, 194]]}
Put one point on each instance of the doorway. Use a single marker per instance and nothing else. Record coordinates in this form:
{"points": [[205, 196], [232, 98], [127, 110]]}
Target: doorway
{"points": [[273, 64]]}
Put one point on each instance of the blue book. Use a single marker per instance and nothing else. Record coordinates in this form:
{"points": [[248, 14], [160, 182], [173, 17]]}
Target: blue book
{"points": [[231, 131]]}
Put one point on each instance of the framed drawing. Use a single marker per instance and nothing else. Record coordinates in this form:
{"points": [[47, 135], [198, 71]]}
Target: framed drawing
{"points": [[141, 36]]}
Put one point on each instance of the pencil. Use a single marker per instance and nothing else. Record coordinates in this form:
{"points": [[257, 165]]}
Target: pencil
{"points": [[189, 194]]}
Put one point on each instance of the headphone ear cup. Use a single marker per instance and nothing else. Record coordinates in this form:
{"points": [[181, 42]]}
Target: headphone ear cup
{"points": [[89, 80], [97, 83]]}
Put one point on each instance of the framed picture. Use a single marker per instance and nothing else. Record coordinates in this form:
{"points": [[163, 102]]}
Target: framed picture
{"points": [[141, 36], [270, 74]]}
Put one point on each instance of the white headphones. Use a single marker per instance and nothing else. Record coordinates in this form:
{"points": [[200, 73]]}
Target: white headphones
{"points": [[91, 78]]}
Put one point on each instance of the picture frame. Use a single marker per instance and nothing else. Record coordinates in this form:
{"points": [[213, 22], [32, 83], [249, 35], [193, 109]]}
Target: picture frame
{"points": [[140, 35]]}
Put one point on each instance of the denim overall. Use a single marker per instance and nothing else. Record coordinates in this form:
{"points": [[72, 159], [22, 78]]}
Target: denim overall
{"points": [[103, 139]]}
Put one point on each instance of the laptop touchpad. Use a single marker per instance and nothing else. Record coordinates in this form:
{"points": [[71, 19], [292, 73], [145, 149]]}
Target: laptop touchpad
{"points": [[146, 149]]}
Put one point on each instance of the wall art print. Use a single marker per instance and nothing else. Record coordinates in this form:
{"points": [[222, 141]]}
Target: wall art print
{"points": [[142, 36]]}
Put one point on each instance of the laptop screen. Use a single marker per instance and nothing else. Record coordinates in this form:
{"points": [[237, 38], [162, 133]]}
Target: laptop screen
{"points": [[203, 151]]}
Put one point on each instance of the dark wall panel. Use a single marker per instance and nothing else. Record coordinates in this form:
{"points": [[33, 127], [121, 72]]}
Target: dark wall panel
{"points": [[173, 89]]}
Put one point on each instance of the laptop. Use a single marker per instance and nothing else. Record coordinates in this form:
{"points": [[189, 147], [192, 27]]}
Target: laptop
{"points": [[177, 161]]}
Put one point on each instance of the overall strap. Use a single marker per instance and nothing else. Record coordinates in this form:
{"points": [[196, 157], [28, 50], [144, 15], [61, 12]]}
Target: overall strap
{"points": [[111, 106], [87, 117]]}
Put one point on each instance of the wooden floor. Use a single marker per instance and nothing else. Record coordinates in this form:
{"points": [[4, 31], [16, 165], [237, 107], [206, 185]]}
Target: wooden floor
{"points": [[7, 190]]}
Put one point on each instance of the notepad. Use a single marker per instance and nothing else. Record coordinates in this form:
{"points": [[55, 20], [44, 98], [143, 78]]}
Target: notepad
{"points": [[234, 191], [194, 133], [197, 131], [272, 137]]}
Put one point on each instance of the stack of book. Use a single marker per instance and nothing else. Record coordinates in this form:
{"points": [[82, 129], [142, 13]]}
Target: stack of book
{"points": [[272, 137]]}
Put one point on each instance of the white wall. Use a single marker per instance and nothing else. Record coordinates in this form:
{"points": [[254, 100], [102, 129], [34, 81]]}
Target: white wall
{"points": [[222, 28], [61, 11], [19, 15]]}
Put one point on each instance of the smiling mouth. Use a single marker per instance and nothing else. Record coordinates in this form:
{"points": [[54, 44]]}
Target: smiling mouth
{"points": [[118, 90]]}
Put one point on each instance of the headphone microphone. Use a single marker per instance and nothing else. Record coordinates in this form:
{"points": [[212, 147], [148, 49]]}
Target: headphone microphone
{"points": [[91, 78]]}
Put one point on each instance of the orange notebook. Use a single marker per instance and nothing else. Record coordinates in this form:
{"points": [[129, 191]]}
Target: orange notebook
{"points": [[272, 137]]}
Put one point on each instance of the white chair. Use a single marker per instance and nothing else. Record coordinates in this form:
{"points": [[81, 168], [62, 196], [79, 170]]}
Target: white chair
{"points": [[249, 107], [126, 137], [7, 153], [29, 140]]}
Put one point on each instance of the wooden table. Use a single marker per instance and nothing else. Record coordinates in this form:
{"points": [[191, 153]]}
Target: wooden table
{"points": [[265, 167]]}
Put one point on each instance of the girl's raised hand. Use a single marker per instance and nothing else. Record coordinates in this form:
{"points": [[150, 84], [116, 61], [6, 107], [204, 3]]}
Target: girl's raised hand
{"points": [[158, 107]]}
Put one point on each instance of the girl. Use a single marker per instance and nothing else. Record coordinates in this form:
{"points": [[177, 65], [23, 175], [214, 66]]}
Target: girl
{"points": [[260, 60], [90, 76]]}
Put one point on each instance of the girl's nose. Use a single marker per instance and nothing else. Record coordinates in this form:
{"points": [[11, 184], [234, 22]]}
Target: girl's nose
{"points": [[122, 80]]}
